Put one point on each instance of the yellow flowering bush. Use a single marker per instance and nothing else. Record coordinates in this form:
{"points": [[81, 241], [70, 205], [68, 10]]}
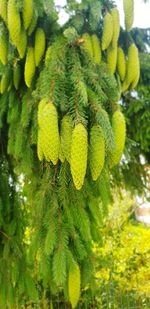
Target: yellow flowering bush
{"points": [[126, 249]]}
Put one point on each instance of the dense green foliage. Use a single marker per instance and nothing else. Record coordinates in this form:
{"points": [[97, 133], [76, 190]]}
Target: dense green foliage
{"points": [[48, 227]]}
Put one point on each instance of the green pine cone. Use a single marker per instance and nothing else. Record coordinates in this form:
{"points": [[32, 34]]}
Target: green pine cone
{"points": [[40, 153], [22, 44], [133, 65], [79, 150], [42, 103], [33, 23], [96, 49], [121, 63], [3, 48], [3, 10], [116, 26], [14, 21], [27, 13], [107, 31], [119, 129], [29, 70], [66, 136], [39, 146], [128, 6], [87, 44], [74, 282], [135, 81], [16, 76], [6, 80], [97, 151], [112, 58], [48, 55], [39, 45], [48, 125]]}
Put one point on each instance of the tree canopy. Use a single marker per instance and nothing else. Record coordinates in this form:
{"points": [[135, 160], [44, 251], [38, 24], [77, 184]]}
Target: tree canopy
{"points": [[64, 91]]}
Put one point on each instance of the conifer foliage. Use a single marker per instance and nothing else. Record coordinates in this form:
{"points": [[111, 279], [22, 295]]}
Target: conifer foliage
{"points": [[62, 127]]}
